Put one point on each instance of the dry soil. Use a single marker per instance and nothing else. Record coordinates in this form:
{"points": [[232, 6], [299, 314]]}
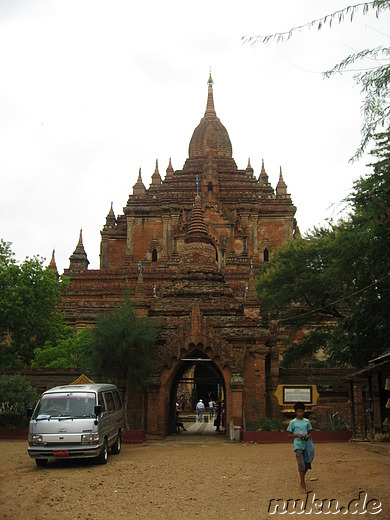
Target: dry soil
{"points": [[190, 477]]}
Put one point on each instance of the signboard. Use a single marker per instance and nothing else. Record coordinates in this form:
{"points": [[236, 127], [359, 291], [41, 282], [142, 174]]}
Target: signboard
{"points": [[288, 395], [293, 394]]}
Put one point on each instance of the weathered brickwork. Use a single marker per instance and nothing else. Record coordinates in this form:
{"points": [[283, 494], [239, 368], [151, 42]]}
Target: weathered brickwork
{"points": [[188, 248]]}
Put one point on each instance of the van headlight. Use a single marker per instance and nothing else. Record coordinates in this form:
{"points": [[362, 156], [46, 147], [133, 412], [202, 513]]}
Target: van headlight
{"points": [[90, 438], [35, 440]]}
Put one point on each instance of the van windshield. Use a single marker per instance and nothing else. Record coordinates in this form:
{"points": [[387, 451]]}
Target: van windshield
{"points": [[72, 405]]}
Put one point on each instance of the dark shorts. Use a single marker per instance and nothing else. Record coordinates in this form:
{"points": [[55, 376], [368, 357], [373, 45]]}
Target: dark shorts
{"points": [[302, 464]]}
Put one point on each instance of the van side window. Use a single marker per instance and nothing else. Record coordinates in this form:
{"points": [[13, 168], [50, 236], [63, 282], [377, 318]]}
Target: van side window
{"points": [[109, 401], [101, 402], [117, 400]]}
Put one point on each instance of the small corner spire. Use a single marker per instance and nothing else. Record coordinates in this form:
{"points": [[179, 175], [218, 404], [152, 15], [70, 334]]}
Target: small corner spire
{"points": [[79, 260], [156, 177], [139, 189], [53, 266], [110, 218], [263, 177], [169, 170], [249, 168], [262, 165], [281, 188]]}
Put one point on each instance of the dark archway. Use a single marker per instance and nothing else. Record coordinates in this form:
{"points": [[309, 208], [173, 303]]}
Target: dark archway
{"points": [[196, 377], [206, 384]]}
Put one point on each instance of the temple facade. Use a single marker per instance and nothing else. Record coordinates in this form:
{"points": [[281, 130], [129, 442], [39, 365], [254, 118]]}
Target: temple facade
{"points": [[188, 249]]}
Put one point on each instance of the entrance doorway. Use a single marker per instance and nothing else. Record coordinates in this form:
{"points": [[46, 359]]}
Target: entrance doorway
{"points": [[196, 378]]}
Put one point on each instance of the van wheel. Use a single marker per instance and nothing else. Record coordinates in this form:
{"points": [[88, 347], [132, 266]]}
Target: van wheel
{"points": [[102, 458], [41, 462], [116, 448]]}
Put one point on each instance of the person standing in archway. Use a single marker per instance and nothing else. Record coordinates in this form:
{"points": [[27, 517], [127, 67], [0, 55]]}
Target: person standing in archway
{"points": [[211, 409], [200, 410]]}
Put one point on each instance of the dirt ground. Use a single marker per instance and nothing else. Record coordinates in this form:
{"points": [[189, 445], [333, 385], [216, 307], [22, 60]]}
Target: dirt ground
{"points": [[190, 477]]}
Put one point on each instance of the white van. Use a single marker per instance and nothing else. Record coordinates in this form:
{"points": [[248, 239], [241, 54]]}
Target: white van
{"points": [[76, 421]]}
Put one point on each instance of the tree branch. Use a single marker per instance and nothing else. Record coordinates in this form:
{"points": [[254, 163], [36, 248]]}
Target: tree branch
{"points": [[351, 10]]}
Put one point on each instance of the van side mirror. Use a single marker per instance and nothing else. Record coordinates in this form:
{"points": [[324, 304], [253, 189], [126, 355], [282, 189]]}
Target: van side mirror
{"points": [[29, 413], [98, 410]]}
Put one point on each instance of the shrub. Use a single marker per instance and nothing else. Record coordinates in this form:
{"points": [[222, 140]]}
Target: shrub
{"points": [[16, 395], [269, 424]]}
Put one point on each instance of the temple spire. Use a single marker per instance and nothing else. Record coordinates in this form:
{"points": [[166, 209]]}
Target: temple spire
{"points": [[79, 260], [197, 224], [210, 110], [281, 188], [110, 219], [210, 138], [169, 170], [139, 188], [249, 169], [263, 177], [53, 266], [156, 177]]}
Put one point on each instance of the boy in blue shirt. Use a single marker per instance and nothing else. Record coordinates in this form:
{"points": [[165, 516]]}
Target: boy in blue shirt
{"points": [[299, 429]]}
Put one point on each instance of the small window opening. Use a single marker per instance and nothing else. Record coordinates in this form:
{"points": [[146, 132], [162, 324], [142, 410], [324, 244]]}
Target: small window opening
{"points": [[154, 255], [266, 255]]}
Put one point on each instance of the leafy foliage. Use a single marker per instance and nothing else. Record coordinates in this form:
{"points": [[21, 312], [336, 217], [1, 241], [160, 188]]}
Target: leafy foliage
{"points": [[16, 395], [334, 284], [29, 312], [71, 352], [374, 81]]}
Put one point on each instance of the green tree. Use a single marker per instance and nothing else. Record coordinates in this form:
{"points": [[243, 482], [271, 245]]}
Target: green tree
{"points": [[374, 76], [334, 284], [29, 311], [124, 348]]}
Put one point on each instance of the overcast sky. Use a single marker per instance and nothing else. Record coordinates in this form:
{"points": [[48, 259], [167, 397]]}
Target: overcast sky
{"points": [[91, 90]]}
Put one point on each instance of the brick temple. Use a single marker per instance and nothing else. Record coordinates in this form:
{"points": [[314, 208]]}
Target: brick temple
{"points": [[187, 248]]}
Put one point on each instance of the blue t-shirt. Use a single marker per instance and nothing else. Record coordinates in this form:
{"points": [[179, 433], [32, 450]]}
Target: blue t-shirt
{"points": [[301, 426]]}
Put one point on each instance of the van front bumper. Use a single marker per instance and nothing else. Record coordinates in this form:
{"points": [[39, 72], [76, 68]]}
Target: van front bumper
{"points": [[65, 452]]}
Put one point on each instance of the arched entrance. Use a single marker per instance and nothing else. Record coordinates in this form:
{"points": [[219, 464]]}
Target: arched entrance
{"points": [[196, 377]]}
